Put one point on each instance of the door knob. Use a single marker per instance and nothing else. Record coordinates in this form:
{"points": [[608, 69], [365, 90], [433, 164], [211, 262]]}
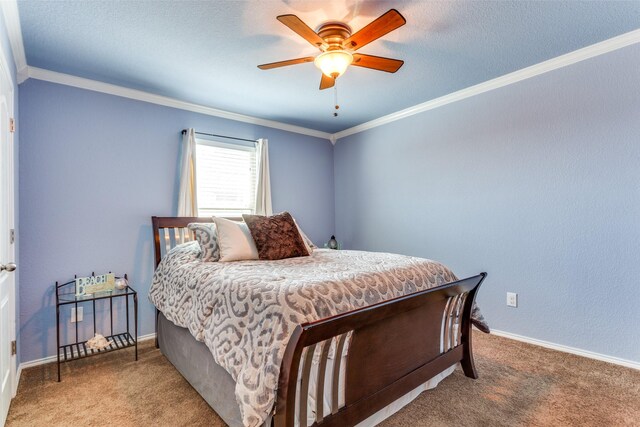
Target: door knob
{"points": [[10, 266]]}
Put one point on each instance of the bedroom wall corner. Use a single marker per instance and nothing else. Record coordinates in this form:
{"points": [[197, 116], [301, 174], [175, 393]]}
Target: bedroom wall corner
{"points": [[535, 183]]}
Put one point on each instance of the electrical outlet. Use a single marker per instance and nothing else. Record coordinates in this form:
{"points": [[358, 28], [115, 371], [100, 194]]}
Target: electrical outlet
{"points": [[76, 317], [512, 299]]}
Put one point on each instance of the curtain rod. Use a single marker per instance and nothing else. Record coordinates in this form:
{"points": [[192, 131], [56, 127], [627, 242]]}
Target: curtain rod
{"points": [[221, 136]]}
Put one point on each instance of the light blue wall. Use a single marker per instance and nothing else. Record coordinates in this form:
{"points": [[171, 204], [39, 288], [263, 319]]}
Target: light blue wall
{"points": [[537, 183], [8, 56], [95, 167]]}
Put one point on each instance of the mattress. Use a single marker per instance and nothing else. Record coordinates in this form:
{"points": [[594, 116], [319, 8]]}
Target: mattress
{"points": [[244, 312]]}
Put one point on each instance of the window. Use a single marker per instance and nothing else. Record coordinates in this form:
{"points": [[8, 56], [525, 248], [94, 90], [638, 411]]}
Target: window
{"points": [[226, 177]]}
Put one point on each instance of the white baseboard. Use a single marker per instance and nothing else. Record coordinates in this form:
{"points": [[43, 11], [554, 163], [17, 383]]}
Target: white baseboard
{"points": [[534, 341], [54, 358], [566, 349]]}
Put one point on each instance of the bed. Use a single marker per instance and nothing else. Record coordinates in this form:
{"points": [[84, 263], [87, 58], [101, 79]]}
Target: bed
{"points": [[332, 366]]}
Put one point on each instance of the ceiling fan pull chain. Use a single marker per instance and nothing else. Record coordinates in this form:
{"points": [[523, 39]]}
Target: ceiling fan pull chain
{"points": [[335, 98]]}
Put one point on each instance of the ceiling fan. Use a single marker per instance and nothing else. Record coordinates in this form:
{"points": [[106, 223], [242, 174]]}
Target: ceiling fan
{"points": [[337, 44]]}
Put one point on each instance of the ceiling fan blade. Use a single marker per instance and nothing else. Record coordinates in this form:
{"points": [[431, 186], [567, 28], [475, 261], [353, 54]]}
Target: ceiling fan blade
{"points": [[285, 63], [376, 29], [326, 82], [303, 30], [377, 62]]}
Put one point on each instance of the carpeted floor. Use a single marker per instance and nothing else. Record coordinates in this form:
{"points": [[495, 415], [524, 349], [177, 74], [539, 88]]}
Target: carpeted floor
{"points": [[519, 385]]}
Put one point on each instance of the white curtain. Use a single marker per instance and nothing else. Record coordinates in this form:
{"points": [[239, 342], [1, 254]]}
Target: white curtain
{"points": [[188, 195], [263, 192]]}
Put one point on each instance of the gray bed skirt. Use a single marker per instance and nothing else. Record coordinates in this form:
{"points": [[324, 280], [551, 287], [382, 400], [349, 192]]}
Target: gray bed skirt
{"points": [[194, 361]]}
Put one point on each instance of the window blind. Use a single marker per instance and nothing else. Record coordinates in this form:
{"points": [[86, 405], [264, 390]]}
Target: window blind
{"points": [[226, 178]]}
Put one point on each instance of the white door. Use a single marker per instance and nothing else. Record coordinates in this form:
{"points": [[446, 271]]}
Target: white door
{"points": [[7, 247]]}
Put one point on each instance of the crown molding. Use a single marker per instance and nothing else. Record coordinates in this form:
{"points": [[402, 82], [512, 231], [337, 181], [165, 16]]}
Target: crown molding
{"points": [[14, 32], [12, 21], [111, 89], [561, 61]]}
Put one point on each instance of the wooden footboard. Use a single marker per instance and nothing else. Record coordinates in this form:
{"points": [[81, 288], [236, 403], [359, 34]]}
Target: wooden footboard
{"points": [[391, 347]]}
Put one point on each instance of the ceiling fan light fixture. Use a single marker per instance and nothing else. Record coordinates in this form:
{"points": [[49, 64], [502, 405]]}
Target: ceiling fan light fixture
{"points": [[333, 63]]}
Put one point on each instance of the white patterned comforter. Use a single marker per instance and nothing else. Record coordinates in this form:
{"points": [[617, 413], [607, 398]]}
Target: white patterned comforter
{"points": [[246, 311]]}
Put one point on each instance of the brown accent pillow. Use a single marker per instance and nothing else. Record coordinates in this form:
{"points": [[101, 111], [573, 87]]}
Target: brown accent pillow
{"points": [[276, 237]]}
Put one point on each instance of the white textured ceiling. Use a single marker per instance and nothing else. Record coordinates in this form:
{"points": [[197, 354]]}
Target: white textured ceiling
{"points": [[207, 51]]}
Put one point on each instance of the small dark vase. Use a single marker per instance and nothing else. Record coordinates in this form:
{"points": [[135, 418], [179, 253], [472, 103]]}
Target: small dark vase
{"points": [[333, 243]]}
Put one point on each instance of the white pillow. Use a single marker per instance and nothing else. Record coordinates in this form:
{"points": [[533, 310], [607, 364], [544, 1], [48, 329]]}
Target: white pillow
{"points": [[307, 241], [235, 241]]}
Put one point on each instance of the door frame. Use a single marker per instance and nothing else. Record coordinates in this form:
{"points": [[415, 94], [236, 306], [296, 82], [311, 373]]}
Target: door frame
{"points": [[5, 74]]}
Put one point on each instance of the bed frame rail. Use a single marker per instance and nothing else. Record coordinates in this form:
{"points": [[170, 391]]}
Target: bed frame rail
{"points": [[392, 347]]}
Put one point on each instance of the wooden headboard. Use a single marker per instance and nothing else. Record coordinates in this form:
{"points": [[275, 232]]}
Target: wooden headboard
{"points": [[170, 231]]}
